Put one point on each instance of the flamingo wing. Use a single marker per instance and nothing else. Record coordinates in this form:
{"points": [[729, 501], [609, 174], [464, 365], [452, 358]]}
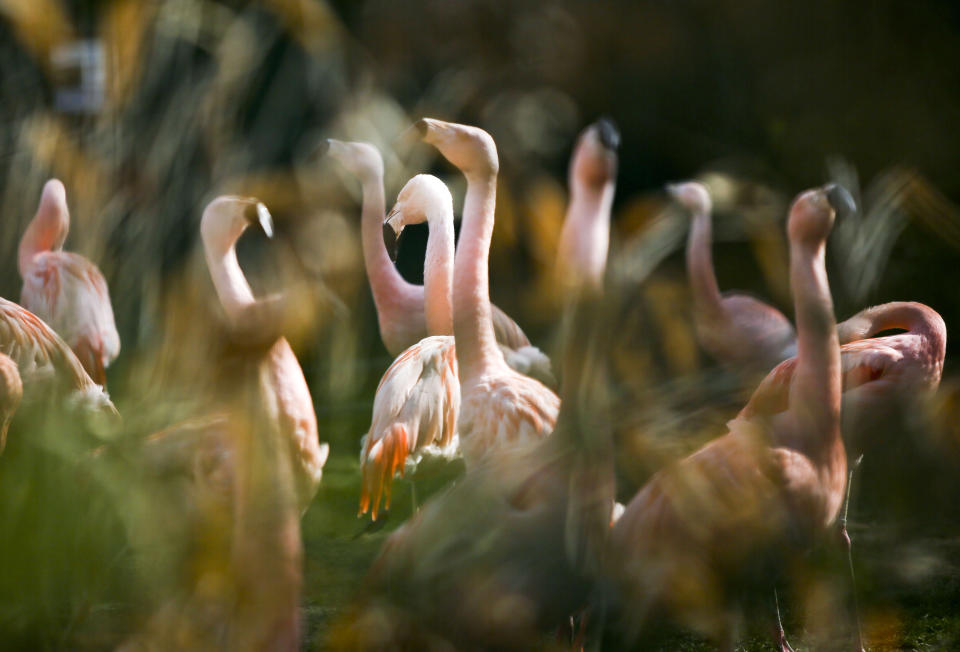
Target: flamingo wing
{"points": [[416, 406], [507, 331], [69, 293]]}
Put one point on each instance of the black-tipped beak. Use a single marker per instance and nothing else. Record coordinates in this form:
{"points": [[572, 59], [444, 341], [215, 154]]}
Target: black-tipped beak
{"points": [[840, 199], [392, 231], [608, 133], [322, 148], [256, 213], [390, 241]]}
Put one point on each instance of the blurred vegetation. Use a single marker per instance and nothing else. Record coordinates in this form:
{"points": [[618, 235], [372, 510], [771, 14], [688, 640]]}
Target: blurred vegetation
{"points": [[200, 97]]}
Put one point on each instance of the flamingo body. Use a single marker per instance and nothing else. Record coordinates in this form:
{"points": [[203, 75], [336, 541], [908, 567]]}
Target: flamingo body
{"points": [[65, 289], [44, 360], [728, 513], [11, 393], [735, 329]]}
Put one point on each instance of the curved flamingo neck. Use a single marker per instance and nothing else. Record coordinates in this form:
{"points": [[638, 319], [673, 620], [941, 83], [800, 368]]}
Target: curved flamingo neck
{"points": [[703, 281], [47, 231], [229, 281], [438, 272], [816, 389], [910, 316], [472, 319], [385, 281]]}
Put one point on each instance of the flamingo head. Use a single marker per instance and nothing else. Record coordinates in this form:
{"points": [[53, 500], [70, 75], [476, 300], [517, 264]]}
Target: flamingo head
{"points": [[226, 218], [594, 161], [813, 212], [361, 159], [470, 149], [49, 228], [424, 198], [692, 196]]}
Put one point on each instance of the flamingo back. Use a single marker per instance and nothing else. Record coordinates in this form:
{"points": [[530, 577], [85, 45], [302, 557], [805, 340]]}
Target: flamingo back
{"points": [[44, 359], [416, 407], [69, 293], [503, 413]]}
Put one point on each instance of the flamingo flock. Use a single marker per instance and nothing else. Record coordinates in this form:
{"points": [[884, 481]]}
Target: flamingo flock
{"points": [[529, 542]]}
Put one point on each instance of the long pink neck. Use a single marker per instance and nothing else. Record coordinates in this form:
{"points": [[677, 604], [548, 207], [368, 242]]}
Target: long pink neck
{"points": [[385, 281], [228, 279], [472, 323], [910, 316], [438, 273], [586, 233], [703, 281], [816, 387], [46, 232]]}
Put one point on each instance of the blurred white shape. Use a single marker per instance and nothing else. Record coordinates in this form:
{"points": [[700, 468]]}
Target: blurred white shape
{"points": [[79, 69]]}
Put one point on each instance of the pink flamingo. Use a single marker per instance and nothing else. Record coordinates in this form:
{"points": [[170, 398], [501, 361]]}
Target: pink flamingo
{"points": [[65, 289], [259, 457], [585, 237], [46, 363], [418, 399], [401, 305], [697, 530], [11, 393], [261, 322], [735, 329], [501, 409], [879, 373]]}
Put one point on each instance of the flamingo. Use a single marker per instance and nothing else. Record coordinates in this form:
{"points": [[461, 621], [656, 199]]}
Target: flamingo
{"points": [[879, 373], [259, 454], [500, 408], [11, 393], [776, 480], [261, 323], [735, 329], [418, 398], [401, 305], [65, 289], [585, 237], [46, 363]]}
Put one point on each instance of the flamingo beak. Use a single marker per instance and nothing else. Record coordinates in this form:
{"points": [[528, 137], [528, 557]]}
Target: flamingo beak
{"points": [[257, 213], [607, 133], [673, 189], [392, 230], [840, 199]]}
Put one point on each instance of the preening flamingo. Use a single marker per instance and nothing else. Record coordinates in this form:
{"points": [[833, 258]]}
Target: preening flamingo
{"points": [[400, 304], [11, 393], [585, 237], [880, 374], [65, 289], [500, 408], [735, 329], [771, 485], [418, 399]]}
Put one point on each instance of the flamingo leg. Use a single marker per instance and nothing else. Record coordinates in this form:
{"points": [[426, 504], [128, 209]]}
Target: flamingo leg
{"points": [[780, 637], [848, 544]]}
